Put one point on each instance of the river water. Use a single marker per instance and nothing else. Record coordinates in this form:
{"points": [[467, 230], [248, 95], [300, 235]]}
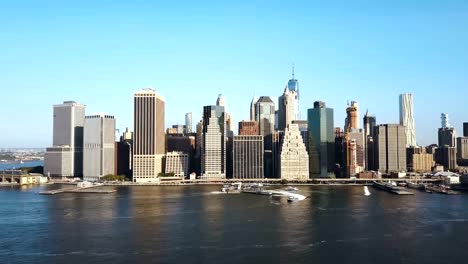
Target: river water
{"points": [[191, 225], [17, 165]]}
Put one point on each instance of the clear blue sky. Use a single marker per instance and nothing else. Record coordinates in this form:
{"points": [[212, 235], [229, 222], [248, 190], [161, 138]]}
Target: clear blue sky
{"points": [[100, 52]]}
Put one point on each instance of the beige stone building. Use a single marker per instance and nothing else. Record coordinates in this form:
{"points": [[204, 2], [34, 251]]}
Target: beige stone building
{"points": [[294, 161]]}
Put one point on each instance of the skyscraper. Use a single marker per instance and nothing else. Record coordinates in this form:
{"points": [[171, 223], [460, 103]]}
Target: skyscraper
{"points": [[357, 154], [248, 157], [265, 115], [465, 129], [294, 157], [390, 148], [369, 123], [65, 157], [447, 157], [447, 134], [188, 123], [293, 86], [149, 138], [288, 108], [214, 143], [407, 118], [352, 117], [99, 147], [252, 109], [227, 117], [322, 140], [123, 155]]}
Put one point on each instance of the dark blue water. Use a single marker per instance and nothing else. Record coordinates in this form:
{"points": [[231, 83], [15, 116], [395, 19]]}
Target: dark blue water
{"points": [[191, 225], [17, 165]]}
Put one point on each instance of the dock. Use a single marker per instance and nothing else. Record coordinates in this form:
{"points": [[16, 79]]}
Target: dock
{"points": [[392, 189], [91, 189]]}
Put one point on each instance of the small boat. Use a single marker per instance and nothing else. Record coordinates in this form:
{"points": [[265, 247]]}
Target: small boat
{"points": [[366, 191], [291, 189], [292, 199]]}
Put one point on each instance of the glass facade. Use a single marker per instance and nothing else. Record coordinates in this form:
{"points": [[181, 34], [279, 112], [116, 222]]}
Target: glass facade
{"points": [[321, 141]]}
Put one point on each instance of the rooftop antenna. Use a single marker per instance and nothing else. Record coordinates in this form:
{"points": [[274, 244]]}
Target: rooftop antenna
{"points": [[293, 71]]}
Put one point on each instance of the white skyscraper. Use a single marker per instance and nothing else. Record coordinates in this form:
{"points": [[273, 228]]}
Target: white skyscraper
{"points": [[213, 147], [294, 157], [65, 157], [99, 147], [407, 118], [287, 108]]}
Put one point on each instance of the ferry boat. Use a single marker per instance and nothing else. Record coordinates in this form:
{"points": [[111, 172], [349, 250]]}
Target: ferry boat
{"points": [[234, 188], [391, 187]]}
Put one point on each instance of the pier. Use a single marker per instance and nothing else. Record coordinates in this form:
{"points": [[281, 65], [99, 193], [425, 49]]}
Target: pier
{"points": [[91, 189]]}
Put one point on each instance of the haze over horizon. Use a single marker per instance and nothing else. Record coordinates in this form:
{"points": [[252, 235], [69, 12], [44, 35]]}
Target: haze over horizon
{"points": [[99, 54]]}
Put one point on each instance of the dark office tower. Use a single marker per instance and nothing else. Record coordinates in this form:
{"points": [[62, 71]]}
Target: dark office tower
{"points": [[213, 148], [198, 148], [369, 123], [248, 128], [65, 158], [123, 155], [447, 157], [277, 145], [447, 137], [340, 158], [322, 141], [248, 157], [149, 143], [265, 115], [390, 148], [465, 129], [370, 150]]}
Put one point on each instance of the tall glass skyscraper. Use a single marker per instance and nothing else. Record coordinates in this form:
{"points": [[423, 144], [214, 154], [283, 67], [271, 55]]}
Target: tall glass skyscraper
{"points": [[188, 123], [321, 141], [293, 86]]}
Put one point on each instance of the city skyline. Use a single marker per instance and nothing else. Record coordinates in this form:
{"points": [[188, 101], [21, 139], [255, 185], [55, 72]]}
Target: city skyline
{"points": [[364, 53]]}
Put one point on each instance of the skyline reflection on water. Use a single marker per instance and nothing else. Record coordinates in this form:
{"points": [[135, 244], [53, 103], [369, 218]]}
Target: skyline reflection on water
{"points": [[190, 224]]}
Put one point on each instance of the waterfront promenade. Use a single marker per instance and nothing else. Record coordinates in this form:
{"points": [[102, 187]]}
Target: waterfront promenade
{"points": [[318, 181]]}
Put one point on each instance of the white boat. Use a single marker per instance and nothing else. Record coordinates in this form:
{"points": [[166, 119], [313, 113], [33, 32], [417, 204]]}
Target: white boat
{"points": [[292, 199], [366, 191], [291, 189]]}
